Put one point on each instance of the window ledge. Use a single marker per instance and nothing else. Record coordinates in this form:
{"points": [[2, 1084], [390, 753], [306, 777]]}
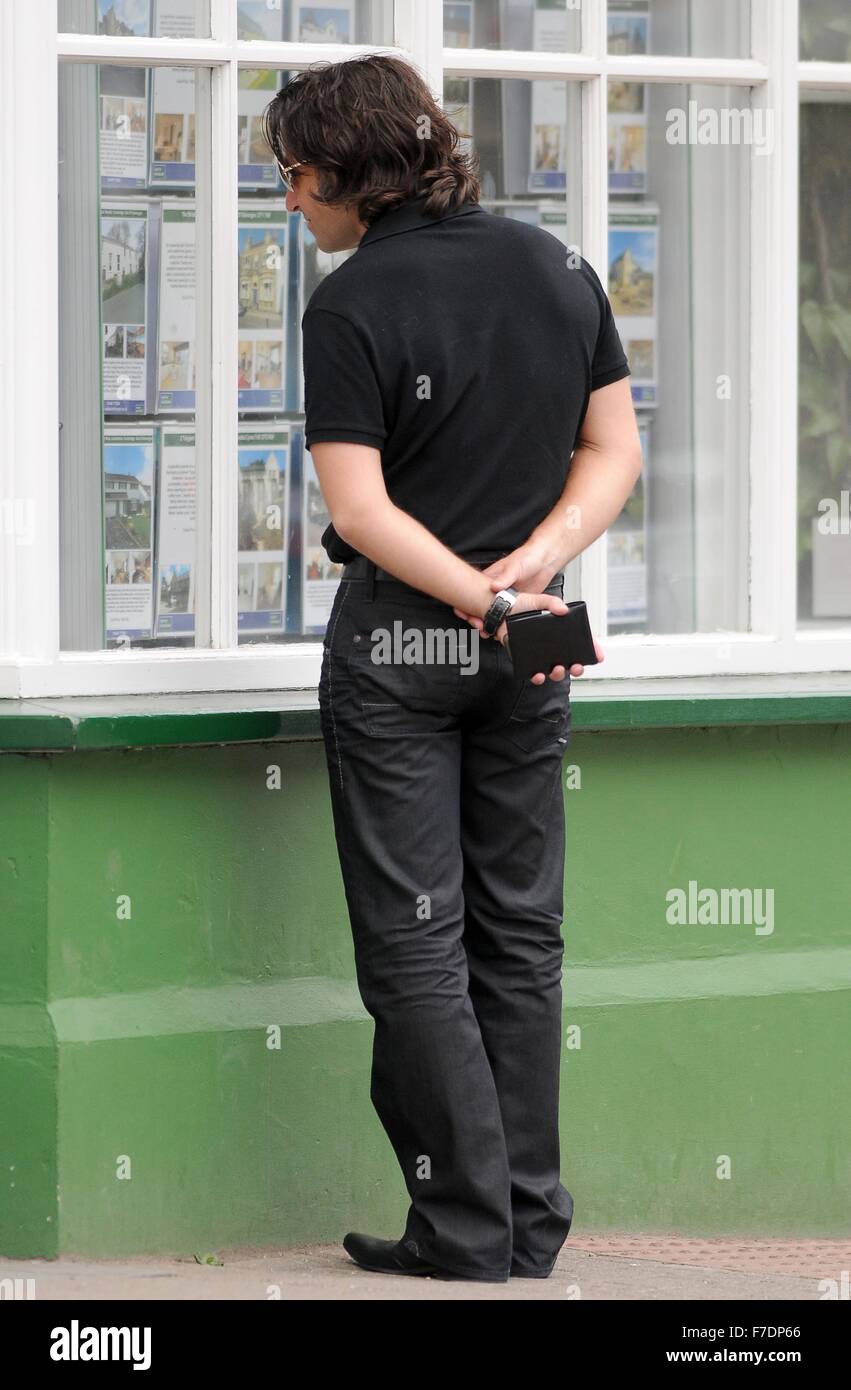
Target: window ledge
{"points": [[148, 721]]}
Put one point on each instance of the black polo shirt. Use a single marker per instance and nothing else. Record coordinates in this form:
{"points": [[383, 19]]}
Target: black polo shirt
{"points": [[465, 348]]}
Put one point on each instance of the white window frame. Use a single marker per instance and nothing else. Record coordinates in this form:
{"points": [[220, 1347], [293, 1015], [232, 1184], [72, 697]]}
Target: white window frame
{"points": [[31, 662]]}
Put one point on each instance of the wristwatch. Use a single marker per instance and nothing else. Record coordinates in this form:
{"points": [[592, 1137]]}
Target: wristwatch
{"points": [[502, 602]]}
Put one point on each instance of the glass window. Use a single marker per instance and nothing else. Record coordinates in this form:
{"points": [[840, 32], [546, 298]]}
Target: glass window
{"points": [[528, 139], [342, 21], [537, 25], [691, 28], [186, 19], [826, 30], [131, 360], [286, 583], [268, 468], [824, 381], [678, 284]]}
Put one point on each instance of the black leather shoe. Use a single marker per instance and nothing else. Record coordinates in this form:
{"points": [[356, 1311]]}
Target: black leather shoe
{"points": [[402, 1257]]}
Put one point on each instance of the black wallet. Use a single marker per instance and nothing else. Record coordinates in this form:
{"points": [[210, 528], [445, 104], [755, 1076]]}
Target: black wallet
{"points": [[539, 640]]}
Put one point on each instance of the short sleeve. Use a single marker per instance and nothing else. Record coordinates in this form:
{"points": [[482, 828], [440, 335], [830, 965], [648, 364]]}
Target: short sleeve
{"points": [[342, 394], [609, 362]]}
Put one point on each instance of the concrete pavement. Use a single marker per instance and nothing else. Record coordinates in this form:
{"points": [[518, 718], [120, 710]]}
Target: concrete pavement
{"points": [[625, 1268]]}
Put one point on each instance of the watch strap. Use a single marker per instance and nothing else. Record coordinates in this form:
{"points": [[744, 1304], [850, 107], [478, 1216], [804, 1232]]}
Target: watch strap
{"points": [[501, 604]]}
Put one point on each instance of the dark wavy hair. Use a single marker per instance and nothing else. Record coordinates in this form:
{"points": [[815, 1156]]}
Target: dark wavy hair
{"points": [[373, 132]]}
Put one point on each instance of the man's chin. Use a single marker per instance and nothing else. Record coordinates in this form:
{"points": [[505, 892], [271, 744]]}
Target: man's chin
{"points": [[330, 246]]}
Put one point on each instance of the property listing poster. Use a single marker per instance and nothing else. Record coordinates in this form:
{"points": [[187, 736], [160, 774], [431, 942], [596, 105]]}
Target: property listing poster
{"points": [[257, 19], [264, 485], [124, 18], [334, 23], [257, 167], [175, 553], [626, 549], [263, 276], [172, 143], [633, 276], [629, 33], [548, 155], [319, 577], [129, 468], [176, 319], [123, 103], [124, 261]]}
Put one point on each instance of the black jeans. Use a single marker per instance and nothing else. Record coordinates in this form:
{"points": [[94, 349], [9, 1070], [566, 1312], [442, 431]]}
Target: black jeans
{"points": [[449, 817]]}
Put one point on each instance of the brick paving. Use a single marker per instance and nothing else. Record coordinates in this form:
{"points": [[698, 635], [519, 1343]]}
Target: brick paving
{"points": [[811, 1259]]}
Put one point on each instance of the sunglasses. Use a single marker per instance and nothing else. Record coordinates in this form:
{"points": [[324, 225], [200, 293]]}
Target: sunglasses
{"points": [[285, 172]]}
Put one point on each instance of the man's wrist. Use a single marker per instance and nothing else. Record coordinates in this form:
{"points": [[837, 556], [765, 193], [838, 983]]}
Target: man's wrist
{"points": [[500, 606], [552, 547]]}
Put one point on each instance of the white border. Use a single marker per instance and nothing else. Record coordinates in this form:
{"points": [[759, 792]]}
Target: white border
{"points": [[29, 598]]}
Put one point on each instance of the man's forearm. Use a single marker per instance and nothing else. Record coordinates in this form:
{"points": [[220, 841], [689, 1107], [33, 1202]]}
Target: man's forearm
{"points": [[398, 543], [597, 487]]}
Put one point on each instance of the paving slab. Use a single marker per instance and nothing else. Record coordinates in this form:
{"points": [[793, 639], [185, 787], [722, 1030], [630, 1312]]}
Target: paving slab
{"points": [[611, 1267]]}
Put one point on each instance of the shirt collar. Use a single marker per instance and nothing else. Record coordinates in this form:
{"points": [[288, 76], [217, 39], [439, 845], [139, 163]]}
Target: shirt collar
{"points": [[408, 217]]}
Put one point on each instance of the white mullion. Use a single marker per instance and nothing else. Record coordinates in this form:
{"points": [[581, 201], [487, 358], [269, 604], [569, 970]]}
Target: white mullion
{"points": [[774, 330], [825, 77], [29, 293], [404, 24], [224, 292], [297, 666], [139, 52], [641, 67], [595, 190], [418, 30], [494, 62], [270, 53]]}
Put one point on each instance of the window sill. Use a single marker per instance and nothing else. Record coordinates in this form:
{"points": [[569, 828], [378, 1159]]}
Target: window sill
{"points": [[150, 721]]}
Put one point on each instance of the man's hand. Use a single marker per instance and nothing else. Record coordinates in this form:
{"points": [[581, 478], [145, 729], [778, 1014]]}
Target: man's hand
{"points": [[534, 602], [529, 568]]}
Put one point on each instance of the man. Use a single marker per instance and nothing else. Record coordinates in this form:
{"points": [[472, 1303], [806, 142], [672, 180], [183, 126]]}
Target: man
{"points": [[472, 428]]}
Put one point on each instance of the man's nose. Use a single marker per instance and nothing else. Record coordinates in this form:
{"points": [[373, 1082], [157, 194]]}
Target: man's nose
{"points": [[291, 201]]}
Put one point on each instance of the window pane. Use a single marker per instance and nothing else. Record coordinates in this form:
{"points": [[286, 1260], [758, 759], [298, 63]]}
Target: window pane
{"points": [[824, 381], [826, 31], [678, 284], [187, 19], [342, 21], [538, 25], [527, 136], [691, 28], [286, 583], [130, 225]]}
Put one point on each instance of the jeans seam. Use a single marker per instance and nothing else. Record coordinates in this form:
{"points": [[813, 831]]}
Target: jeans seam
{"points": [[330, 694]]}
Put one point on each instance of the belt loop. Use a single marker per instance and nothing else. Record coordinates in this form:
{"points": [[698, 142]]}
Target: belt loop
{"points": [[370, 581]]}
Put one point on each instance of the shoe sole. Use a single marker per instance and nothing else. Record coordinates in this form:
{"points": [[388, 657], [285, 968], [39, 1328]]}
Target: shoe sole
{"points": [[427, 1273]]}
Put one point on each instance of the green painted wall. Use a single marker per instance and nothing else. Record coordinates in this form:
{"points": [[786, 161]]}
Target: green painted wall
{"points": [[147, 1037]]}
